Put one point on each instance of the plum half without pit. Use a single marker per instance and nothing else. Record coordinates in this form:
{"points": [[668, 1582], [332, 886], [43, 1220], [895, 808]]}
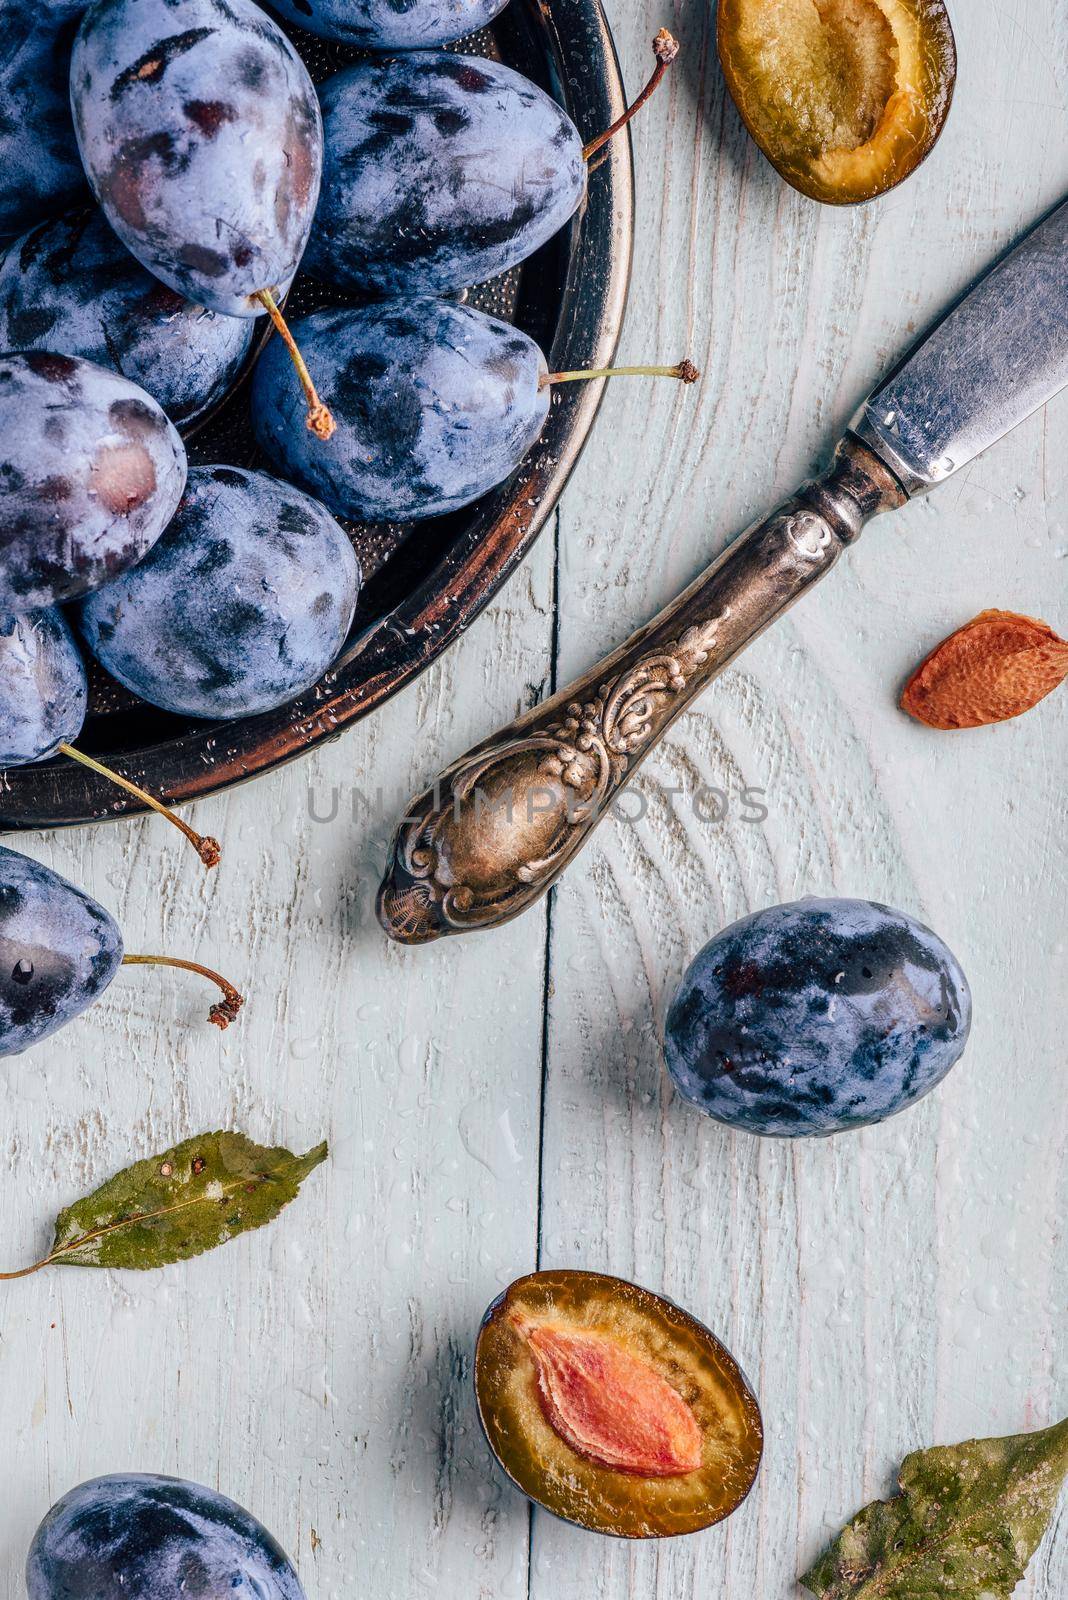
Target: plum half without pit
{"points": [[613, 1408], [844, 97]]}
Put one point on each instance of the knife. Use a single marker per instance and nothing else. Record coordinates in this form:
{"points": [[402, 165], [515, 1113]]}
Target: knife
{"points": [[498, 827]]}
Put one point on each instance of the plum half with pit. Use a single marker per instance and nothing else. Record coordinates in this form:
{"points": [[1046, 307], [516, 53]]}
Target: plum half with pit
{"points": [[816, 1017], [844, 97], [613, 1408], [140, 1536]]}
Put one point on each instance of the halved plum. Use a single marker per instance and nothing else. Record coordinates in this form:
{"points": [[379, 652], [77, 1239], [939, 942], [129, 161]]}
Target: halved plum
{"points": [[613, 1408], [844, 97]]}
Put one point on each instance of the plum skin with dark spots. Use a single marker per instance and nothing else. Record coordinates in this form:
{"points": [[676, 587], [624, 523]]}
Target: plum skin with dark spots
{"points": [[439, 171], [141, 1536], [43, 687], [243, 603], [91, 471], [71, 285], [40, 171], [59, 950], [201, 134], [435, 403], [815, 1017], [390, 24]]}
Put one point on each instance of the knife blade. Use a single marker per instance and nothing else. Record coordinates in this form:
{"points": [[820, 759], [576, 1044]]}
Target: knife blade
{"points": [[995, 359], [495, 830]]}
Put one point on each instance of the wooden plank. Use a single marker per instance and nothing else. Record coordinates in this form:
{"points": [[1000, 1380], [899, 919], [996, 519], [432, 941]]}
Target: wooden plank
{"points": [[884, 1290], [906, 1284]]}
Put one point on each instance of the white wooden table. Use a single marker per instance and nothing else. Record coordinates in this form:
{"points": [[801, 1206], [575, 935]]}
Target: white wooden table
{"points": [[497, 1102]]}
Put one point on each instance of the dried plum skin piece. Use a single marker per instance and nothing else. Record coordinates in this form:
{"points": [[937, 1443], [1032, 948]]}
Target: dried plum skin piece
{"points": [[435, 403], [387, 25], [71, 285], [41, 174], [140, 1536], [816, 1017], [439, 170], [91, 471], [59, 950], [43, 687], [201, 134], [243, 603]]}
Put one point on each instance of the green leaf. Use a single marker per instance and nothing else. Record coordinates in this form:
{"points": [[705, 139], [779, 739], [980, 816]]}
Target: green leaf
{"points": [[966, 1523], [179, 1204]]}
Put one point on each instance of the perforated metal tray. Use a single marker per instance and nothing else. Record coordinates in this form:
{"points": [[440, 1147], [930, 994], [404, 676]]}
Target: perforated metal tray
{"points": [[424, 582]]}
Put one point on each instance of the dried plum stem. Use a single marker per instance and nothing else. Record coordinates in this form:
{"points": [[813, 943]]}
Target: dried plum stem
{"points": [[25, 1272], [224, 1011], [319, 419], [207, 848], [684, 371], [665, 48]]}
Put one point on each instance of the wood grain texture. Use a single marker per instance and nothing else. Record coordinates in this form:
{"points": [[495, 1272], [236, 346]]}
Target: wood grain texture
{"points": [[884, 1290], [909, 1284]]}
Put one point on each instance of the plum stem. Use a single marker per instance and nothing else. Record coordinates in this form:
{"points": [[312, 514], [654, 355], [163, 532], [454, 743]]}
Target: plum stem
{"points": [[207, 848], [25, 1272], [224, 1011], [665, 49], [684, 371], [319, 419]]}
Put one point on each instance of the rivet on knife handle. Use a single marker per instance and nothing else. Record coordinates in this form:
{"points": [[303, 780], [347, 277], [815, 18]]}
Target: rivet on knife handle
{"points": [[501, 824]]}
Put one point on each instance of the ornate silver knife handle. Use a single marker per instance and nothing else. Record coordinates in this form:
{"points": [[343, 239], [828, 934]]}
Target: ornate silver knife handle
{"points": [[501, 824]]}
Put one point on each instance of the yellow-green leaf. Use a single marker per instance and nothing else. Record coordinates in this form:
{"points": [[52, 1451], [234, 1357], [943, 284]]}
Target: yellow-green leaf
{"points": [[179, 1204], [966, 1523]]}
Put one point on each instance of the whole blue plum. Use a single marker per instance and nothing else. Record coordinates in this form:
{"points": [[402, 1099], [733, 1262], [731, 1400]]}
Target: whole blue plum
{"points": [[40, 170], [816, 1017], [439, 170], [59, 950], [91, 471], [71, 285], [434, 403], [243, 603], [138, 1536], [390, 24], [200, 131], [43, 688]]}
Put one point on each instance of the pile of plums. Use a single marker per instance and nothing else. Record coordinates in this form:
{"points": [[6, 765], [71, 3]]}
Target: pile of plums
{"points": [[219, 592]]}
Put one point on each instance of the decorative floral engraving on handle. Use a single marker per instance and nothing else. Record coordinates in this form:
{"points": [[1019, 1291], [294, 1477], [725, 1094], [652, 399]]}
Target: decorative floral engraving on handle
{"points": [[500, 825], [597, 739], [544, 786]]}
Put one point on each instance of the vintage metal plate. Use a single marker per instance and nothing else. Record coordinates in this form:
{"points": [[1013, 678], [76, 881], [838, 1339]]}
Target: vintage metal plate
{"points": [[425, 582]]}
